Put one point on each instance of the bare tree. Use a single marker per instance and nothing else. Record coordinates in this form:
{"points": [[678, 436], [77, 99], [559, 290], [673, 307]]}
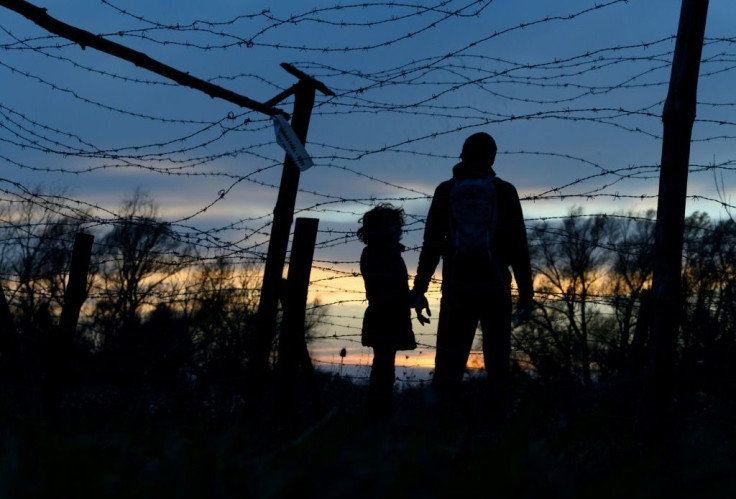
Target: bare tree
{"points": [[221, 304], [135, 259], [632, 240], [569, 262], [709, 284], [36, 239]]}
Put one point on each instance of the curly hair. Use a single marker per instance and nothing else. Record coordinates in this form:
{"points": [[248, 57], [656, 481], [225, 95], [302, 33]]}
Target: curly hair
{"points": [[377, 219]]}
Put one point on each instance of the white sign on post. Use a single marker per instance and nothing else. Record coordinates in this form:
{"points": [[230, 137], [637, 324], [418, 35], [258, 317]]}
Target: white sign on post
{"points": [[289, 142]]}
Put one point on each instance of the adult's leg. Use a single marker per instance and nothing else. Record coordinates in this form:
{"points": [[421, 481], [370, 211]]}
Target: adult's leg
{"points": [[455, 331], [495, 321]]}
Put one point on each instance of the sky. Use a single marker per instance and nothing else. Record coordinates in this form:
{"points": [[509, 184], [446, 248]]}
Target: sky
{"points": [[572, 91]]}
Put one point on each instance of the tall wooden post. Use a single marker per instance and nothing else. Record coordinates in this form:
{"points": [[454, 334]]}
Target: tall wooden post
{"points": [[678, 118], [283, 214]]}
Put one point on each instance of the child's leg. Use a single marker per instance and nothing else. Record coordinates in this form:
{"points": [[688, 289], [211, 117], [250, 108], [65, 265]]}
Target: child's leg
{"points": [[381, 388]]}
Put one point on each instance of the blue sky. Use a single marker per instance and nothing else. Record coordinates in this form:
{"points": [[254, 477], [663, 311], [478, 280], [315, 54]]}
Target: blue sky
{"points": [[574, 93]]}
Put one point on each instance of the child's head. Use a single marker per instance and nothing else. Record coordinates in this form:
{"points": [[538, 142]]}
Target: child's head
{"points": [[383, 222]]}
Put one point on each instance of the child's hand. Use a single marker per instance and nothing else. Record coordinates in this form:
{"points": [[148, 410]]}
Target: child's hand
{"points": [[421, 304]]}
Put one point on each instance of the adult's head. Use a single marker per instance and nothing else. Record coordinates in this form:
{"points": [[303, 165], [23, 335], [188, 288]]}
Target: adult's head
{"points": [[479, 148]]}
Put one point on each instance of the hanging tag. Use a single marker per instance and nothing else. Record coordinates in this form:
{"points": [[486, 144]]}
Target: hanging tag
{"points": [[287, 139]]}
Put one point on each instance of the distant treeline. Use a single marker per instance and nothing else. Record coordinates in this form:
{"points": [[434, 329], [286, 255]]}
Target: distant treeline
{"points": [[592, 280], [160, 308]]}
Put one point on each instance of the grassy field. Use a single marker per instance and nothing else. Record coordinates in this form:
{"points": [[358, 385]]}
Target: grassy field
{"points": [[542, 441]]}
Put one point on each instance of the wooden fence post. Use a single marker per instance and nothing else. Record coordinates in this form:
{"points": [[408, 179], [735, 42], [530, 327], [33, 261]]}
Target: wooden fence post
{"points": [[76, 290], [8, 334], [678, 117], [304, 93], [60, 345], [293, 353]]}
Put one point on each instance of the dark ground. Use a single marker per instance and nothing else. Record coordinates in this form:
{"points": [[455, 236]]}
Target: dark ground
{"points": [[548, 440]]}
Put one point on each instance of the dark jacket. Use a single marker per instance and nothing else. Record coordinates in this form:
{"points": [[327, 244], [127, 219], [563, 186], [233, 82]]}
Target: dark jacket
{"points": [[387, 320], [509, 242]]}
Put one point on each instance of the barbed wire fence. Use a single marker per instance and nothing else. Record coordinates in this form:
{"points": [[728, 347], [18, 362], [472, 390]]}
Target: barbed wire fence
{"points": [[586, 120]]}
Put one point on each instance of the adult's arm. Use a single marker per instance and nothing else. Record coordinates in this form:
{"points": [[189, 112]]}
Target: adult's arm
{"points": [[520, 262], [435, 234]]}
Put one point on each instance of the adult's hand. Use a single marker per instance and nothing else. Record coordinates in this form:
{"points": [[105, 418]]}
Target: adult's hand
{"points": [[420, 305]]}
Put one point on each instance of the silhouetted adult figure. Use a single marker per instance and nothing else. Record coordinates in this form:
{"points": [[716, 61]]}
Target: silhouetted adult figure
{"points": [[475, 224]]}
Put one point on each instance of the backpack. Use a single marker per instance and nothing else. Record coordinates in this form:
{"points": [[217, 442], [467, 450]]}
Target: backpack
{"points": [[473, 216]]}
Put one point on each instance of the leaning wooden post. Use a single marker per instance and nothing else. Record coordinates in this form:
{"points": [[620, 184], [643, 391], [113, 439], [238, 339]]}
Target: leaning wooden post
{"points": [[283, 214], [39, 15], [678, 118], [76, 290], [293, 353]]}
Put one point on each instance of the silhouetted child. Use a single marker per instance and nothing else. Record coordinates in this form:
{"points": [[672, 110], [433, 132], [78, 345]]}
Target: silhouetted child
{"points": [[387, 320]]}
